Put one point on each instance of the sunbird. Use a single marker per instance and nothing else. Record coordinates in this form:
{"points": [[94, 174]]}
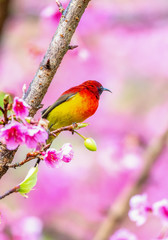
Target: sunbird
{"points": [[74, 105]]}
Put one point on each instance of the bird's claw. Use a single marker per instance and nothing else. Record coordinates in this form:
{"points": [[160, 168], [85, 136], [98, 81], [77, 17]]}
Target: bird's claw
{"points": [[74, 126]]}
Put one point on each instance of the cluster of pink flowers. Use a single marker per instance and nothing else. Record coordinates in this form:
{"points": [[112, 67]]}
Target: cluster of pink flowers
{"points": [[53, 157], [19, 131], [16, 133], [140, 208]]}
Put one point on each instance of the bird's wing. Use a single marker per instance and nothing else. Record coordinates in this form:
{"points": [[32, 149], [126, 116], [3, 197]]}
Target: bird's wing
{"points": [[59, 101]]}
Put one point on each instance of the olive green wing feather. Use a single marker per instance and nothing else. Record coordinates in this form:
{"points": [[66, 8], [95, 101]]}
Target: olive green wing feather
{"points": [[60, 100]]}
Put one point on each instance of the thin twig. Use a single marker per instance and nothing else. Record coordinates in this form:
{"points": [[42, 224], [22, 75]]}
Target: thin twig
{"points": [[5, 113], [59, 4], [37, 162], [46, 147], [2, 110], [119, 209], [27, 159], [71, 47], [67, 128], [15, 189]]}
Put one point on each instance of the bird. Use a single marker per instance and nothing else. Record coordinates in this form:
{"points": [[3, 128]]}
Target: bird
{"points": [[74, 105]]}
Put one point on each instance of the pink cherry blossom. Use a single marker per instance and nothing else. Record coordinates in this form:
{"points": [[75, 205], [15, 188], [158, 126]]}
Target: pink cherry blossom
{"points": [[13, 135], [35, 135], [123, 234], [139, 209], [52, 157], [66, 152], [160, 209], [20, 107]]}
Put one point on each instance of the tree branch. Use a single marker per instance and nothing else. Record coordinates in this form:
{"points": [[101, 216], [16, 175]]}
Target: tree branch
{"points": [[49, 65], [30, 156], [119, 209], [13, 190], [55, 53], [4, 6], [67, 128]]}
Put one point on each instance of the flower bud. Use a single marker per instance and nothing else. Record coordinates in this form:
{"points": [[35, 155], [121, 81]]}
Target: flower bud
{"points": [[29, 182], [81, 125], [90, 144], [6, 99]]}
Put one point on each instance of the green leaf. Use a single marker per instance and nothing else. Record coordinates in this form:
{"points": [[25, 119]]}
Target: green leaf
{"points": [[90, 144], [29, 182]]}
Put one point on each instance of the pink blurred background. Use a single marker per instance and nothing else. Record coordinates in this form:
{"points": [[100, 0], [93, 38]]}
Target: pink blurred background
{"points": [[123, 45]]}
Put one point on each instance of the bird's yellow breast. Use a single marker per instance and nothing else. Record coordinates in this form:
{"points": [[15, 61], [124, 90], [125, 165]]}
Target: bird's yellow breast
{"points": [[76, 109]]}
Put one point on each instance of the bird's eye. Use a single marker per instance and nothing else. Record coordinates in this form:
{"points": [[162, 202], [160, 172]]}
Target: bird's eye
{"points": [[100, 90]]}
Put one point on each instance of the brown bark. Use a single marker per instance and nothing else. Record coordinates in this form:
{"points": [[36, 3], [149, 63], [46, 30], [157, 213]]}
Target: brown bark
{"points": [[53, 57], [4, 6]]}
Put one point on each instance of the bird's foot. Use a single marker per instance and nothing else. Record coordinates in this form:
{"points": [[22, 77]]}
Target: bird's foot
{"points": [[74, 126]]}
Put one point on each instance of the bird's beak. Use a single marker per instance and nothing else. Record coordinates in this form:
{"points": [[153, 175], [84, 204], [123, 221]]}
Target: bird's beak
{"points": [[105, 89]]}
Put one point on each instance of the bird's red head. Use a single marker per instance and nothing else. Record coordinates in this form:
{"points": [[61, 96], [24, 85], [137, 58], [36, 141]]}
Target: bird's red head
{"points": [[95, 87]]}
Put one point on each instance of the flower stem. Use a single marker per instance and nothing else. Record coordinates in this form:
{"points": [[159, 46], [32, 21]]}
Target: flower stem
{"points": [[80, 135]]}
